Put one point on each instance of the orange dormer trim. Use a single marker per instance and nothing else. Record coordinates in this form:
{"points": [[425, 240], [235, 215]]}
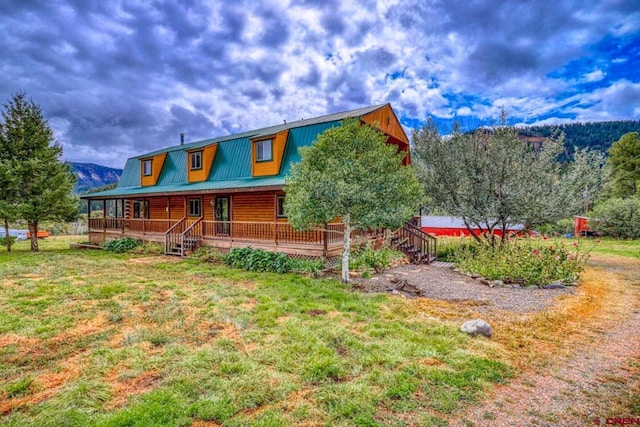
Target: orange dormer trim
{"points": [[269, 167], [156, 167], [386, 120], [208, 156]]}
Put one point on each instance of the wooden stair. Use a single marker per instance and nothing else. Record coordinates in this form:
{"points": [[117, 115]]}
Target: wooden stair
{"points": [[183, 237], [418, 246]]}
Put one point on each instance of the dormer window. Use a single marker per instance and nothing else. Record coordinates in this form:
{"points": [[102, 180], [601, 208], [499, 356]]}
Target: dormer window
{"points": [[146, 167], [195, 160], [264, 150]]}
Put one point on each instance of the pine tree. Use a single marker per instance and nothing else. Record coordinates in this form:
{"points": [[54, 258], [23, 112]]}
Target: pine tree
{"points": [[31, 157]]}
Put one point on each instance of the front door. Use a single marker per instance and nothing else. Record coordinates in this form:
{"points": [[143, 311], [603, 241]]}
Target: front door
{"points": [[222, 213]]}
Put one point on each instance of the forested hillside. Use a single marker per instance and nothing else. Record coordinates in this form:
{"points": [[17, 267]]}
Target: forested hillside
{"points": [[594, 135], [93, 176]]}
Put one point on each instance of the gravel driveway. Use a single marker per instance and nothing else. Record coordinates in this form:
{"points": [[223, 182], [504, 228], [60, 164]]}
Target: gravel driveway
{"points": [[440, 282]]}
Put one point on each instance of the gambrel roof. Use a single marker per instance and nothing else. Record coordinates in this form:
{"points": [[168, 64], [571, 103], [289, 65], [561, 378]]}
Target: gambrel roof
{"points": [[232, 157]]}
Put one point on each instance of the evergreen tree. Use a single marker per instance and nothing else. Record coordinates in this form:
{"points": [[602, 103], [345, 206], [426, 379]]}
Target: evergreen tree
{"points": [[624, 162], [351, 173], [32, 159]]}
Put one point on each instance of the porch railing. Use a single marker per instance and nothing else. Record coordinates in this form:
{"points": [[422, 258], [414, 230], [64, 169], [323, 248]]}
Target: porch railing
{"points": [[136, 225], [278, 232]]}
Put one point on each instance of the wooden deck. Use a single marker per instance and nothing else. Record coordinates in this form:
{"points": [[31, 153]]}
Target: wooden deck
{"points": [[273, 236]]}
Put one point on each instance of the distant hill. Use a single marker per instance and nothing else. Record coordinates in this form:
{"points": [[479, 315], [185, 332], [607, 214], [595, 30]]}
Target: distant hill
{"points": [[92, 176], [593, 135]]}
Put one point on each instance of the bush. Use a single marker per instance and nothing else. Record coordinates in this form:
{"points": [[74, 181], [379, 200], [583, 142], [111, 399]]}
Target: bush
{"points": [[368, 258], [122, 245], [448, 246], [526, 260], [3, 240], [618, 218], [309, 267], [208, 254], [152, 248], [257, 260]]}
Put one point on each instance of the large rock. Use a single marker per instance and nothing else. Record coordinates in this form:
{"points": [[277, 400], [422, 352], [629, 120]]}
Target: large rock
{"points": [[477, 327]]}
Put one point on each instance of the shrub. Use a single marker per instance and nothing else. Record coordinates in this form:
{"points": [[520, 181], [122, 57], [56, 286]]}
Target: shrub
{"points": [[309, 267], [448, 247], [257, 260], [618, 218], [528, 261], [152, 248], [3, 240], [122, 245], [208, 254], [367, 258]]}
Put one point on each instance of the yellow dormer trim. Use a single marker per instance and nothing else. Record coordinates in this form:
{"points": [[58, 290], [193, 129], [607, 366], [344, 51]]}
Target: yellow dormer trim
{"points": [[272, 166], [151, 176], [207, 156]]}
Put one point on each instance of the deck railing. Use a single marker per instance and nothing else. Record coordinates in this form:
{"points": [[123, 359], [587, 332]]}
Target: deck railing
{"points": [[276, 232], [137, 225]]}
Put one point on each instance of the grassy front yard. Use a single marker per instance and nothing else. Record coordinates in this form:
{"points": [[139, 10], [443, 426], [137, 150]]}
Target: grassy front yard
{"points": [[94, 338]]}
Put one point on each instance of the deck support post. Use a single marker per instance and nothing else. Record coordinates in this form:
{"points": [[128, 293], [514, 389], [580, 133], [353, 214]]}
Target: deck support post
{"points": [[324, 242]]}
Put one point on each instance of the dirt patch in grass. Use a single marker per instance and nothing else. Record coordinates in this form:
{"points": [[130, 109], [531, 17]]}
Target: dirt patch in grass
{"points": [[122, 390]]}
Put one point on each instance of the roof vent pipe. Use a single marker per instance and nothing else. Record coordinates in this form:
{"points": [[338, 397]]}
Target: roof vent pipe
{"points": [[182, 139]]}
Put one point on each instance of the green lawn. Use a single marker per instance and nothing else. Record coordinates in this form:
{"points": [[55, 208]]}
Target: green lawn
{"points": [[97, 339]]}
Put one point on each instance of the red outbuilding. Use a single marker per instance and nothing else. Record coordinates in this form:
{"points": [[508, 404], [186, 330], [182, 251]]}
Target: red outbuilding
{"points": [[454, 226], [581, 226]]}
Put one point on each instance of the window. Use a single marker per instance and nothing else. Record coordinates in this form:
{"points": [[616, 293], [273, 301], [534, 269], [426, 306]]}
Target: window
{"points": [[141, 209], [146, 167], [196, 160], [194, 207], [263, 151], [280, 213]]}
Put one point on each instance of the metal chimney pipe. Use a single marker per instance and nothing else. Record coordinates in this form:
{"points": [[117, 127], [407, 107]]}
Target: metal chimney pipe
{"points": [[182, 139]]}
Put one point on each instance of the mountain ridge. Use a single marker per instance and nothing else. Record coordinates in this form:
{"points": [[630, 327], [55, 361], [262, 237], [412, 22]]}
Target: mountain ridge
{"points": [[91, 175]]}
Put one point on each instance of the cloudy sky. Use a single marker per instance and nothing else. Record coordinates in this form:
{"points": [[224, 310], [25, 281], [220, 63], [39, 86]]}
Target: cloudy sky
{"points": [[119, 78]]}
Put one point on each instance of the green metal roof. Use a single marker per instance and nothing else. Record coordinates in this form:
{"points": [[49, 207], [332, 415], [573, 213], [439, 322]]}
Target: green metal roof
{"points": [[232, 164]]}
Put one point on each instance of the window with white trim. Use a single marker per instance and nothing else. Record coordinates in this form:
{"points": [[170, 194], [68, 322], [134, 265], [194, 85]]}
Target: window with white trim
{"points": [[264, 150], [147, 167], [195, 160]]}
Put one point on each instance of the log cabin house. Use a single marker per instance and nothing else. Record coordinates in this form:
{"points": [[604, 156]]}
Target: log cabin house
{"points": [[226, 192]]}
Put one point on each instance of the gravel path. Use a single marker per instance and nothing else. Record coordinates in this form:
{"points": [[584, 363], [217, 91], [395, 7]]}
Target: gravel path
{"points": [[587, 386], [440, 282]]}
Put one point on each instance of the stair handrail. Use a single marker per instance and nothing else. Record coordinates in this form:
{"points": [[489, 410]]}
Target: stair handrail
{"points": [[425, 242], [189, 232], [170, 234]]}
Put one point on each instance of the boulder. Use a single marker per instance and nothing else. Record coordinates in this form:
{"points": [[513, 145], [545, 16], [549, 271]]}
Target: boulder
{"points": [[477, 327]]}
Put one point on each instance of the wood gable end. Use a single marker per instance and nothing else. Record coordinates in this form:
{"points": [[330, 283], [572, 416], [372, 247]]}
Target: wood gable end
{"points": [[269, 167], [157, 161], [200, 172], [385, 119]]}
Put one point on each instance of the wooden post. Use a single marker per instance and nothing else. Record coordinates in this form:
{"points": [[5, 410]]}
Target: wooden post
{"points": [[324, 242], [104, 214]]}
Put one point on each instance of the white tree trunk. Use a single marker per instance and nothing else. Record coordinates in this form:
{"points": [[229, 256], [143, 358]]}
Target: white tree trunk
{"points": [[346, 248]]}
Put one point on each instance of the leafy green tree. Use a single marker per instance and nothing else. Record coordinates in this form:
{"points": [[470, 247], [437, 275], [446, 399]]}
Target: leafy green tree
{"points": [[491, 179], [351, 173], [618, 217], [45, 183], [624, 161]]}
